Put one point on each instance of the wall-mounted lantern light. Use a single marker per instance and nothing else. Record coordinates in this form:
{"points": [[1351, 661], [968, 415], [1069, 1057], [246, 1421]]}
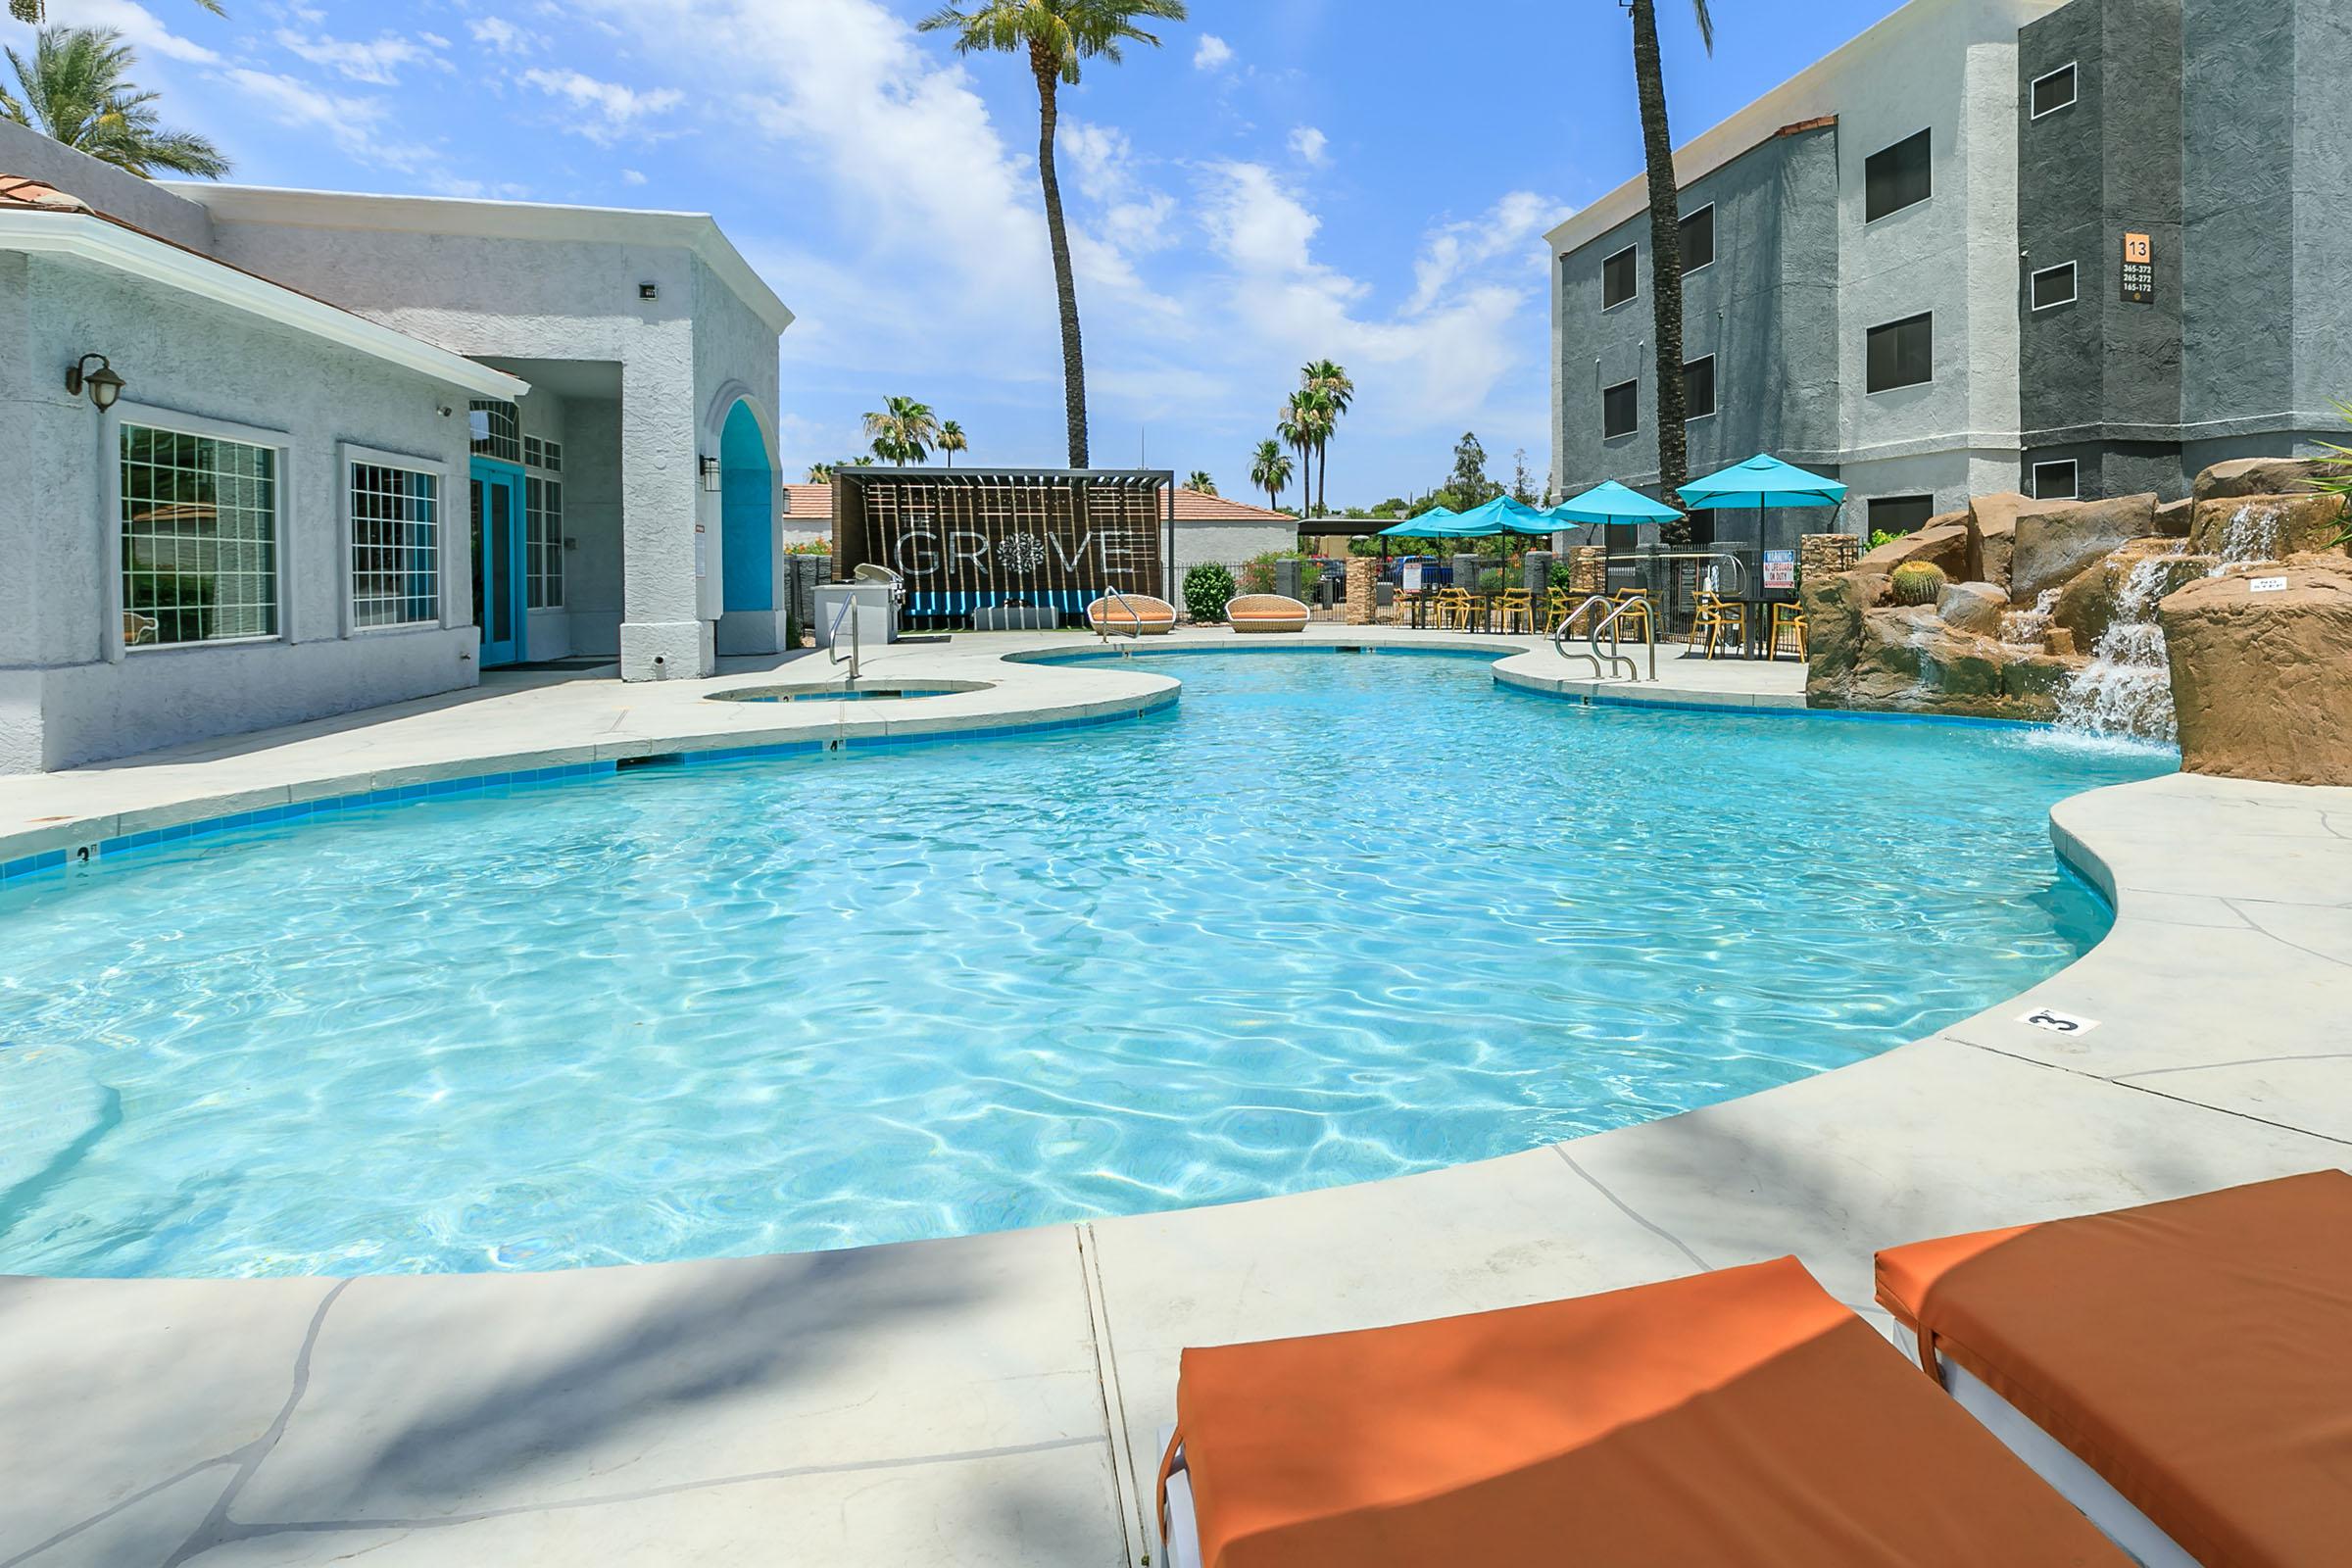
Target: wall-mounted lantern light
{"points": [[649, 291], [102, 384], [710, 482]]}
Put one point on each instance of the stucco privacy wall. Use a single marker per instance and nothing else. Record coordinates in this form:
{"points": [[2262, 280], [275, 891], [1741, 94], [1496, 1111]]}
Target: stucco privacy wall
{"points": [[136, 201], [1228, 543], [62, 700]]}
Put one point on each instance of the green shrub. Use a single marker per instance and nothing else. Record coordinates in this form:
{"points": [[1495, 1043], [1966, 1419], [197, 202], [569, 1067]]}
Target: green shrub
{"points": [[1918, 582], [1258, 572], [1207, 590], [1883, 536], [1562, 576], [1490, 581], [1363, 543]]}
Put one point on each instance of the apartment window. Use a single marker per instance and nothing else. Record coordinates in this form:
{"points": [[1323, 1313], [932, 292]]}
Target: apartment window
{"points": [[1620, 410], [1900, 514], [543, 541], [552, 455], [2054, 286], [1698, 239], [199, 530], [1896, 177], [1617, 278], [1901, 354], [2056, 482], [1698, 388], [504, 440], [2054, 91], [395, 546], [535, 452]]}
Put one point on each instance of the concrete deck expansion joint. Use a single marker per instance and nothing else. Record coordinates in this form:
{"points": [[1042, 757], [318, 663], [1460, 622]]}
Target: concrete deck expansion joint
{"points": [[997, 1398]]}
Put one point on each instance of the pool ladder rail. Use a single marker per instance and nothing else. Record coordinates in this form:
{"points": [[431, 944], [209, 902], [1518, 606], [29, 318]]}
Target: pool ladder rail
{"points": [[1135, 621], [1614, 661], [868, 572]]}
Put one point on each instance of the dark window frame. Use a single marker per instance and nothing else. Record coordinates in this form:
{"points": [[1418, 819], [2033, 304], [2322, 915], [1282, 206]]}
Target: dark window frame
{"points": [[1631, 255], [1633, 389], [1871, 510], [1683, 230], [2074, 91], [2073, 286], [1708, 413], [1872, 214], [1871, 386], [2074, 480]]}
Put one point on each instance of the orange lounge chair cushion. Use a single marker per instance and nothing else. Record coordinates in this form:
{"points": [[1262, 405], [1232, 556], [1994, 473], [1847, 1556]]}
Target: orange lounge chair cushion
{"points": [[1735, 1418], [2196, 1354]]}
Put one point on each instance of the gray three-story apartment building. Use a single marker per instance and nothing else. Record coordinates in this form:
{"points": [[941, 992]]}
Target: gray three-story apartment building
{"points": [[2078, 250]]}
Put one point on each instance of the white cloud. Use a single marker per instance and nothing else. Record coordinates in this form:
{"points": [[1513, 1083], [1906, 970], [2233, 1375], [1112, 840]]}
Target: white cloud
{"points": [[1311, 145], [617, 109], [1214, 54], [377, 60], [501, 35], [143, 30], [1511, 225], [632, 176], [352, 125]]}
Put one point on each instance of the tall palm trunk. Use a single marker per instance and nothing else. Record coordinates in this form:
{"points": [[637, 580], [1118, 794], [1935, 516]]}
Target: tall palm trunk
{"points": [[1065, 285], [1665, 260], [1323, 478]]}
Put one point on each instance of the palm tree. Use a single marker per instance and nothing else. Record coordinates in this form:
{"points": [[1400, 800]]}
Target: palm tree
{"points": [[903, 430], [76, 91], [1665, 247], [1200, 481], [951, 440], [1270, 471], [1333, 382], [1056, 35], [31, 10], [1307, 420], [821, 472]]}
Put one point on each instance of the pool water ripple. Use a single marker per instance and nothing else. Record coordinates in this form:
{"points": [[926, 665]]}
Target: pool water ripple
{"points": [[1328, 920]]}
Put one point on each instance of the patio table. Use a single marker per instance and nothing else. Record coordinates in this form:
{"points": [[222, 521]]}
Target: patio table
{"points": [[1756, 615]]}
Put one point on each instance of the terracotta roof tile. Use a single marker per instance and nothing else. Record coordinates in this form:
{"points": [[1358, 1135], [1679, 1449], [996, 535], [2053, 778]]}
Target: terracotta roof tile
{"points": [[1194, 505], [18, 190]]}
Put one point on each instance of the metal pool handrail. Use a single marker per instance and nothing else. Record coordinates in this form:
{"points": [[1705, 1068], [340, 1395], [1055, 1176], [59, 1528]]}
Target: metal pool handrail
{"points": [[1135, 621], [1608, 623], [849, 608]]}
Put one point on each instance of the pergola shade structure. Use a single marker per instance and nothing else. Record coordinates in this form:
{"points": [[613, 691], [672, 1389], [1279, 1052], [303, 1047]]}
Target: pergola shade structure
{"points": [[966, 540]]}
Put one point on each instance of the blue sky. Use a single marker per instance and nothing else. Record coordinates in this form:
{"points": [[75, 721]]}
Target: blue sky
{"points": [[1367, 179]]}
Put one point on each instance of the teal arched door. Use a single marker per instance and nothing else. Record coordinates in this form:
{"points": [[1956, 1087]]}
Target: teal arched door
{"points": [[746, 513]]}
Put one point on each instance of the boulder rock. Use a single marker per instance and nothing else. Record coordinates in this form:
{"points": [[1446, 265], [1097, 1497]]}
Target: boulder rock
{"points": [[2054, 544], [1997, 518], [1975, 608], [2174, 517], [2266, 527], [1940, 541], [2261, 680], [2259, 477], [1834, 607], [1907, 659], [2130, 581]]}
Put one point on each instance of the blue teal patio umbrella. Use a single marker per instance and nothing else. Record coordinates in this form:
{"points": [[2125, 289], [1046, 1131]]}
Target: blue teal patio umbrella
{"points": [[1763, 481], [1429, 525], [1502, 514], [1611, 502]]}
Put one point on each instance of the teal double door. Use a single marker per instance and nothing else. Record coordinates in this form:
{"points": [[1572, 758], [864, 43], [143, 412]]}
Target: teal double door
{"points": [[499, 571]]}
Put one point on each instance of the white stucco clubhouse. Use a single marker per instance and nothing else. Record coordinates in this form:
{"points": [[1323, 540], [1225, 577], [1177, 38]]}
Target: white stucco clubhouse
{"points": [[325, 451]]}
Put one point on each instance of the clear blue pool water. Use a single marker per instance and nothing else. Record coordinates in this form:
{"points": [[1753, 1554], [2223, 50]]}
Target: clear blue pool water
{"points": [[1329, 919]]}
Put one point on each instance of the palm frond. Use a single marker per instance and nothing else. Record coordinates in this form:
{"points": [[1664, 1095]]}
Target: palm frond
{"points": [[1706, 24]]}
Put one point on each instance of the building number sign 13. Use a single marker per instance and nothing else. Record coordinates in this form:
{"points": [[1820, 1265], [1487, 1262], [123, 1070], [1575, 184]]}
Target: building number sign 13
{"points": [[2139, 270]]}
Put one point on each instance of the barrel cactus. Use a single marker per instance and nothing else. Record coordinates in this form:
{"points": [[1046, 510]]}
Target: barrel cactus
{"points": [[1918, 582]]}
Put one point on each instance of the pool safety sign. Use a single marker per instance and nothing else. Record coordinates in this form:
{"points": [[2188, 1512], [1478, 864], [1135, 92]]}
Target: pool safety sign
{"points": [[2139, 269], [1779, 570]]}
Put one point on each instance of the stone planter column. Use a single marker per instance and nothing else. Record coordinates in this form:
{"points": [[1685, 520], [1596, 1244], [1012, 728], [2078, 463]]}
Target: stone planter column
{"points": [[1362, 571], [1465, 571], [1538, 578], [1823, 556], [1286, 576]]}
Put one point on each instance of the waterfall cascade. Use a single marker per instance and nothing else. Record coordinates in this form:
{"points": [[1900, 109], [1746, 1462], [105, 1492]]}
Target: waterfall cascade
{"points": [[2030, 628]]}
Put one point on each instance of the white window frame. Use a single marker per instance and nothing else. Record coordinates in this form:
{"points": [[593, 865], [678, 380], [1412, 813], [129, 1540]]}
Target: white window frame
{"points": [[2033, 114], [1928, 132], [350, 455], [2073, 486], [1606, 434], [1634, 251], [113, 646], [2074, 280], [1714, 388], [1678, 229], [1888, 391]]}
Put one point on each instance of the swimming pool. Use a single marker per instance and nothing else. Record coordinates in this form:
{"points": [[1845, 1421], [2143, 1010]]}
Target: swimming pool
{"points": [[1329, 919]]}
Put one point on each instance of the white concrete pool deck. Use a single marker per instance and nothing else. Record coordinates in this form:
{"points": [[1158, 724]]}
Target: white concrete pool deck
{"points": [[994, 1400]]}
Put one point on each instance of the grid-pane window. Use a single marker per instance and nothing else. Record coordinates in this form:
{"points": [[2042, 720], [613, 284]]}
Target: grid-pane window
{"points": [[1698, 388], [1901, 354], [2054, 286], [552, 455], [535, 452], [1621, 409], [1698, 239], [2054, 91], [543, 541], [1896, 177], [505, 438], [199, 538], [395, 546], [1900, 514], [1617, 278]]}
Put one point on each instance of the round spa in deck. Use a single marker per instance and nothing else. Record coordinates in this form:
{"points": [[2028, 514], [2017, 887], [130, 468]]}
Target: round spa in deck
{"points": [[1328, 919]]}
